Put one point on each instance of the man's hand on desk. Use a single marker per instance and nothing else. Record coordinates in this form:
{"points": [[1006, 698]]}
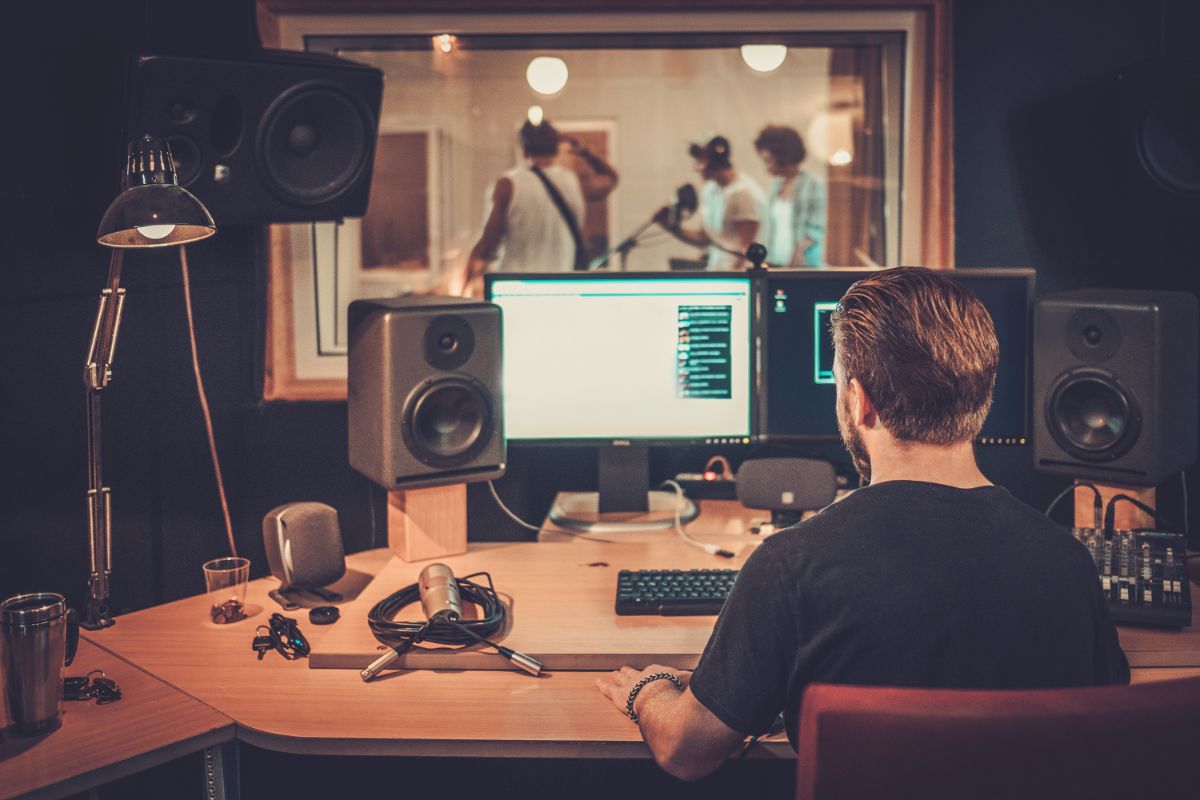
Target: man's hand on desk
{"points": [[617, 685], [685, 738]]}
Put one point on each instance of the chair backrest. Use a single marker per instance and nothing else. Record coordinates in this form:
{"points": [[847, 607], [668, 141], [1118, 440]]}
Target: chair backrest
{"points": [[1112, 741]]}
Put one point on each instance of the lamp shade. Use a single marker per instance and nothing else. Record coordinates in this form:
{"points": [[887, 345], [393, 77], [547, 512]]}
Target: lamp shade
{"points": [[153, 210]]}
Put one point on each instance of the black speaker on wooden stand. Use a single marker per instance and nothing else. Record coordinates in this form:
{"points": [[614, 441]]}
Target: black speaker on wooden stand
{"points": [[425, 414], [270, 136], [1115, 385]]}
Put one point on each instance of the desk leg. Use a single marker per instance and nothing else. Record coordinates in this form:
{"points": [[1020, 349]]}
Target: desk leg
{"points": [[221, 772]]}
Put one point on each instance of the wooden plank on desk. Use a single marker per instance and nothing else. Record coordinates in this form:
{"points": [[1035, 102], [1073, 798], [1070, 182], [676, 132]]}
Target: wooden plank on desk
{"points": [[561, 598], [151, 724]]}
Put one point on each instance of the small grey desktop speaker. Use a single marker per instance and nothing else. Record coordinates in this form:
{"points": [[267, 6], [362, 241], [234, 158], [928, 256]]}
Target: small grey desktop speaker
{"points": [[424, 406], [786, 484], [304, 545]]}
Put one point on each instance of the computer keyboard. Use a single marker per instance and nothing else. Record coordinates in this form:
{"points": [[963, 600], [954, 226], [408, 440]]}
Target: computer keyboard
{"points": [[673, 592]]}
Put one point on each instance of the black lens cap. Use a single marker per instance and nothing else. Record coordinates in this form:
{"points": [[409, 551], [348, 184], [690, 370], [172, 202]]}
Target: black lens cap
{"points": [[323, 615]]}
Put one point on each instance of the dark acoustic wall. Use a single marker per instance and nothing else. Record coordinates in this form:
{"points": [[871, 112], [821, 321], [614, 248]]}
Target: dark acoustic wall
{"points": [[63, 81], [1025, 73], [1044, 170]]}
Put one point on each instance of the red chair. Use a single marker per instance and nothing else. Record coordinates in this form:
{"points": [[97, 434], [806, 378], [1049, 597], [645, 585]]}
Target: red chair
{"points": [[1140, 741]]}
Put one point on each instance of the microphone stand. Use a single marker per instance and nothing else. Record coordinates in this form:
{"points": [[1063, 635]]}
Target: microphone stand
{"points": [[622, 249]]}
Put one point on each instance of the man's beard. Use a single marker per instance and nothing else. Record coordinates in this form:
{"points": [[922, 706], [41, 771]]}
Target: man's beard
{"points": [[853, 442]]}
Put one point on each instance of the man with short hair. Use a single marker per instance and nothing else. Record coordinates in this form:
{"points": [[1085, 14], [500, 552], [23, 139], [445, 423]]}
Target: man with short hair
{"points": [[930, 576], [535, 206]]}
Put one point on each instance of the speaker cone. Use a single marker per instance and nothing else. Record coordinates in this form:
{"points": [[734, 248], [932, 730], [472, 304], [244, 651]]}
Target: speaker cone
{"points": [[188, 160], [1167, 138], [314, 143], [447, 421], [1092, 415]]}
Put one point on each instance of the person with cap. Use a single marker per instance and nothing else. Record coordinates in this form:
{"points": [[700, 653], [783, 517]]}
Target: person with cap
{"points": [[730, 207], [794, 231], [537, 209]]}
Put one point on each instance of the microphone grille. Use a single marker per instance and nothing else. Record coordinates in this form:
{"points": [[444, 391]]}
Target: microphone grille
{"points": [[686, 197]]}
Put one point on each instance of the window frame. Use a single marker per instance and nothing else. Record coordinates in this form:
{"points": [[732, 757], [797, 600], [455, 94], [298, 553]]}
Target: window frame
{"points": [[292, 371]]}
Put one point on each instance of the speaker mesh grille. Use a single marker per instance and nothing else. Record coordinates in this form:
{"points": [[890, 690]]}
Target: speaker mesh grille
{"points": [[1092, 415], [448, 421], [313, 143]]}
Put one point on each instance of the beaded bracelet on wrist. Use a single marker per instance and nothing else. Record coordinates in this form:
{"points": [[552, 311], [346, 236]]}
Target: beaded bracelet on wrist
{"points": [[641, 684]]}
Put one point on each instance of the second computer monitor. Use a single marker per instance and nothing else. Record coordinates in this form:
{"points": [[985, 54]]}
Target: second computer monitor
{"points": [[798, 390]]}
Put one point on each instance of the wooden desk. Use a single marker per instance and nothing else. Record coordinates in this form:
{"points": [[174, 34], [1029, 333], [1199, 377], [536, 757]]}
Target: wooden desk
{"points": [[286, 706], [153, 723]]}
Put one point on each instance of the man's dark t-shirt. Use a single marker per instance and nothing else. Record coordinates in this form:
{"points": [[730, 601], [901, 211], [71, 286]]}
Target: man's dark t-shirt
{"points": [[908, 584]]}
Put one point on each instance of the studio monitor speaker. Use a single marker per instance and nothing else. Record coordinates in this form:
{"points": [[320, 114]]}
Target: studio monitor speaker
{"points": [[1115, 382], [424, 400], [1158, 125], [273, 136]]}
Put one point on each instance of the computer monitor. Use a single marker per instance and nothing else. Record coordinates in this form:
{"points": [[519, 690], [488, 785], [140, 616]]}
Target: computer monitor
{"points": [[798, 391], [621, 361]]}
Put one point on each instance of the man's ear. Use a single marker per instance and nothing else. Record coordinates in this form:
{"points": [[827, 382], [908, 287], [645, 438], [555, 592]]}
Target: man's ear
{"points": [[862, 408]]}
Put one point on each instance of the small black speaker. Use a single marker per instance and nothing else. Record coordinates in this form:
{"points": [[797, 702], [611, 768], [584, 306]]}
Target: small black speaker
{"points": [[786, 486], [424, 400], [272, 136], [1115, 382]]}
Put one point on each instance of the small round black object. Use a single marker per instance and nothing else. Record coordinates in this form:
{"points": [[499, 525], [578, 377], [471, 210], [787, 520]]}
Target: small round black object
{"points": [[323, 615]]}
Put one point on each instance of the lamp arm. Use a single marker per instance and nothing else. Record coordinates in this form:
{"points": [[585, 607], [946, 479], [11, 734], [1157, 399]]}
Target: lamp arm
{"points": [[97, 368], [97, 372]]}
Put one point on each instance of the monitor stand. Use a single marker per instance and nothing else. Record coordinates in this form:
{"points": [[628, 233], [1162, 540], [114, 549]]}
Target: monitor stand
{"points": [[623, 502]]}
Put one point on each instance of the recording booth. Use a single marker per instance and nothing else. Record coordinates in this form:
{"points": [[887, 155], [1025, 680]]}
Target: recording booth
{"points": [[354, 501]]}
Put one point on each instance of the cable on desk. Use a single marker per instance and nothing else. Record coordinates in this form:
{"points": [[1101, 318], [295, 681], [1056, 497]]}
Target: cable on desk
{"points": [[506, 510], [402, 636], [711, 549], [535, 528], [1183, 484], [1110, 513], [1097, 502]]}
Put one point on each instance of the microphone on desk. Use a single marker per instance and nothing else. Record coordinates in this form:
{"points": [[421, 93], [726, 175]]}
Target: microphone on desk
{"points": [[441, 601], [441, 596], [439, 593]]}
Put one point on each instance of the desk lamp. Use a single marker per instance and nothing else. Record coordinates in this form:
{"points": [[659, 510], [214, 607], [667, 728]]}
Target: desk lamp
{"points": [[152, 210]]}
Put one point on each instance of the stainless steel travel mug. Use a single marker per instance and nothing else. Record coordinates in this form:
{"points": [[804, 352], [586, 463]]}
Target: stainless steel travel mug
{"points": [[38, 637]]}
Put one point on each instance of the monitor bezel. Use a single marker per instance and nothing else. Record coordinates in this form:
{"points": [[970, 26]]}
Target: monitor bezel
{"points": [[1026, 274], [752, 345]]}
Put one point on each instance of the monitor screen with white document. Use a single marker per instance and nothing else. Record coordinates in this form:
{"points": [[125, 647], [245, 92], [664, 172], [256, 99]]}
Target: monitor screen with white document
{"points": [[625, 360]]}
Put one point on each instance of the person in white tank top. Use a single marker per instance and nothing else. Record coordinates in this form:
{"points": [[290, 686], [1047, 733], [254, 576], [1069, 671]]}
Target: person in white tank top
{"points": [[525, 231]]}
